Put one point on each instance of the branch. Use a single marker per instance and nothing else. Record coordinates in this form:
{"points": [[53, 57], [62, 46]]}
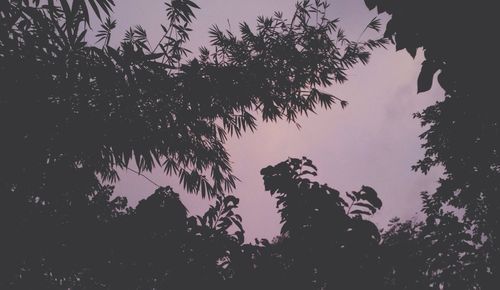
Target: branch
{"points": [[147, 178]]}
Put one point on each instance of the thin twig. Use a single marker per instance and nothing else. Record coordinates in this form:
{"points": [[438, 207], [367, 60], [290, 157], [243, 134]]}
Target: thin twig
{"points": [[147, 178]]}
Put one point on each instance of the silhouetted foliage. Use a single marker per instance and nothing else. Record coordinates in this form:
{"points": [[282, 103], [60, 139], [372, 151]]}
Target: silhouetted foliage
{"points": [[327, 242], [419, 24], [439, 253], [463, 133], [99, 107], [95, 241], [73, 113]]}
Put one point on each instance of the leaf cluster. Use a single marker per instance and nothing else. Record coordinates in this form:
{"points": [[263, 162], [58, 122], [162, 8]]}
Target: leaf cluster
{"points": [[105, 107]]}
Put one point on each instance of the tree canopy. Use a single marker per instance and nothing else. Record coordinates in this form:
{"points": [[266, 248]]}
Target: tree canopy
{"points": [[76, 108], [73, 112], [98, 242], [98, 107], [462, 131]]}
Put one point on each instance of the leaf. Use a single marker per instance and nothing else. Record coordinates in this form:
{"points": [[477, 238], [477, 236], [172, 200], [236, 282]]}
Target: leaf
{"points": [[304, 172], [309, 163], [192, 4], [370, 195], [366, 205], [350, 196], [426, 75], [343, 104], [370, 4], [95, 8], [360, 212], [153, 56], [231, 200], [240, 237], [237, 223], [81, 36], [67, 12], [374, 24]]}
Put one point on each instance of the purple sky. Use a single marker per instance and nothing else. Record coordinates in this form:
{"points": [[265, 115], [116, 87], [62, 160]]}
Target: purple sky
{"points": [[374, 141]]}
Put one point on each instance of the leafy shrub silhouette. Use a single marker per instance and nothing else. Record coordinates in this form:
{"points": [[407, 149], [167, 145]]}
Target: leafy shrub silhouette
{"points": [[327, 241], [438, 253], [96, 241]]}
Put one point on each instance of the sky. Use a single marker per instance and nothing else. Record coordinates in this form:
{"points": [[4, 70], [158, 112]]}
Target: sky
{"points": [[373, 141]]}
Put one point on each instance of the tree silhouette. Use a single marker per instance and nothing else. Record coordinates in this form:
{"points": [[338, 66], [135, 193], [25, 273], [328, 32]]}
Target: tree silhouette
{"points": [[72, 113], [462, 132], [99, 108], [48, 245], [439, 253], [95, 241], [327, 242]]}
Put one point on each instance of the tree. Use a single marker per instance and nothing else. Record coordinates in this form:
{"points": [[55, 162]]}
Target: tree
{"points": [[98, 242], [327, 242], [462, 132], [438, 253], [49, 246], [72, 113], [97, 108]]}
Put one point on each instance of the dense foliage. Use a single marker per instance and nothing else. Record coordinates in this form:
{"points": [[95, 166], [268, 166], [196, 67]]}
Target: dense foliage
{"points": [[72, 113], [97, 242], [462, 131], [96, 108]]}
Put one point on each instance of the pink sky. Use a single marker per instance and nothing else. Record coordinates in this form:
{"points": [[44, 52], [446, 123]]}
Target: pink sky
{"points": [[374, 141]]}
